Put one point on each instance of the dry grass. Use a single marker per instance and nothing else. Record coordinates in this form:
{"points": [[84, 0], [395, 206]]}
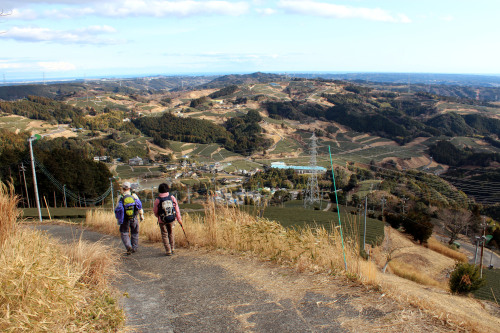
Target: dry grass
{"points": [[97, 262], [102, 221], [465, 314], [9, 212], [414, 267], [438, 247], [415, 257], [45, 287], [306, 249], [234, 230], [412, 273]]}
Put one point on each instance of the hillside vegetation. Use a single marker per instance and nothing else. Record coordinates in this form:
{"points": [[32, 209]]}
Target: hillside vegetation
{"points": [[268, 118]]}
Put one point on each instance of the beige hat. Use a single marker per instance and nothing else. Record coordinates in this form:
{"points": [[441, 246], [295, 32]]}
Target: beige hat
{"points": [[126, 185]]}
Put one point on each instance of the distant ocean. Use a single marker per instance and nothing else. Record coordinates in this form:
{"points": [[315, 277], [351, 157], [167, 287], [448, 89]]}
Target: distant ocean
{"points": [[422, 78]]}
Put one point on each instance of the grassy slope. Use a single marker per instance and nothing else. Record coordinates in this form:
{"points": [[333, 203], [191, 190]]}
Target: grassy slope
{"points": [[48, 287]]}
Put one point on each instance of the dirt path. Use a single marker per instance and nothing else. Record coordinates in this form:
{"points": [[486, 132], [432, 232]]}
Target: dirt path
{"points": [[196, 291]]}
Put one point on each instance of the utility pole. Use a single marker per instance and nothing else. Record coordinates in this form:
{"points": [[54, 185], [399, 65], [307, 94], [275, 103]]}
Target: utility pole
{"points": [[384, 200], [37, 199], [475, 251], [112, 197], [483, 239], [21, 185], [64, 192], [364, 231], [23, 169], [404, 204], [152, 196]]}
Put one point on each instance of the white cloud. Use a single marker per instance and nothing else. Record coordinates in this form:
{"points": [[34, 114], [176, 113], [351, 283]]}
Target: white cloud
{"points": [[29, 65], [56, 66], [9, 65], [24, 14], [134, 8], [328, 10], [21, 3], [265, 11], [159, 8], [87, 35]]}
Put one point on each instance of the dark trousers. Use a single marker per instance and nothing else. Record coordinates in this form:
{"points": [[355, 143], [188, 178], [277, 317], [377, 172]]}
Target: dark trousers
{"points": [[131, 241], [167, 236]]}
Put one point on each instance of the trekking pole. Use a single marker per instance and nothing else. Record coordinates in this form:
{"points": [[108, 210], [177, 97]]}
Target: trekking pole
{"points": [[184, 232]]}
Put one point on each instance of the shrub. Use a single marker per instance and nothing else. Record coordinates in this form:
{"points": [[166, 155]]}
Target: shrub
{"points": [[419, 226], [394, 220], [465, 278]]}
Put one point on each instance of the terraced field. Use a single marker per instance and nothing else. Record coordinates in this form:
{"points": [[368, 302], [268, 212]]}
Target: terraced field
{"points": [[127, 171], [490, 291], [299, 217], [242, 165], [286, 146], [99, 104]]}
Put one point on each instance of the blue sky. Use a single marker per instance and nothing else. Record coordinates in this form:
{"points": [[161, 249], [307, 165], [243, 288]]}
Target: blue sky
{"points": [[86, 38]]}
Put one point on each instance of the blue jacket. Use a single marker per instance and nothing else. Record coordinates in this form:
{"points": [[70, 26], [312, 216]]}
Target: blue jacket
{"points": [[120, 211]]}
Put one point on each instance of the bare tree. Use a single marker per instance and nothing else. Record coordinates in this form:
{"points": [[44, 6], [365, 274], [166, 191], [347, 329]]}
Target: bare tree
{"points": [[455, 221], [390, 246]]}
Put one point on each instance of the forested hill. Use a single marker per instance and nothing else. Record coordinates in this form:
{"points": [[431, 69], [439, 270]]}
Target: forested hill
{"points": [[401, 119], [243, 79], [239, 134]]}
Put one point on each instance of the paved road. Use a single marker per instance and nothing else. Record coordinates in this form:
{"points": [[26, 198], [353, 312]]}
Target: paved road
{"points": [[489, 257], [196, 291]]}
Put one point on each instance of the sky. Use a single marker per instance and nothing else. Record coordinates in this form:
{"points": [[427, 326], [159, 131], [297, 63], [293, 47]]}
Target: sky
{"points": [[105, 38]]}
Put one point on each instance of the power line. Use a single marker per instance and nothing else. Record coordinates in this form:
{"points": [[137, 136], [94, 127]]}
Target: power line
{"points": [[72, 195]]}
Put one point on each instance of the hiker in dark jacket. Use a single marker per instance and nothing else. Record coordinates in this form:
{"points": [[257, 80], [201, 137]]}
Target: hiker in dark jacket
{"points": [[128, 209], [166, 218]]}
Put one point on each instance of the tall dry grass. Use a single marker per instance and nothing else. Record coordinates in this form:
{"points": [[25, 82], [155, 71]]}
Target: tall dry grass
{"points": [[411, 273], [305, 248], [9, 212], [97, 263], [438, 247], [45, 287], [231, 229], [103, 221]]}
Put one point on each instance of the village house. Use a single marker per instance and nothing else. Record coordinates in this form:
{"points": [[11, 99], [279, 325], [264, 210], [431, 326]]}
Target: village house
{"points": [[136, 161]]}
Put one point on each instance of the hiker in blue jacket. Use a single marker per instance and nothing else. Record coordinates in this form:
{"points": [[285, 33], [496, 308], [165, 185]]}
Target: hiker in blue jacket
{"points": [[128, 208]]}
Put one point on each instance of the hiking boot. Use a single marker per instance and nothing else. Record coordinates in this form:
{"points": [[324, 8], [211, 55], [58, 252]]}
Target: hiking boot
{"points": [[168, 253], [129, 251]]}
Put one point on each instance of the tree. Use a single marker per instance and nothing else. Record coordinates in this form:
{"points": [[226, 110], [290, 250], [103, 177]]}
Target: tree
{"points": [[465, 278], [418, 225], [390, 246], [280, 197], [455, 221]]}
